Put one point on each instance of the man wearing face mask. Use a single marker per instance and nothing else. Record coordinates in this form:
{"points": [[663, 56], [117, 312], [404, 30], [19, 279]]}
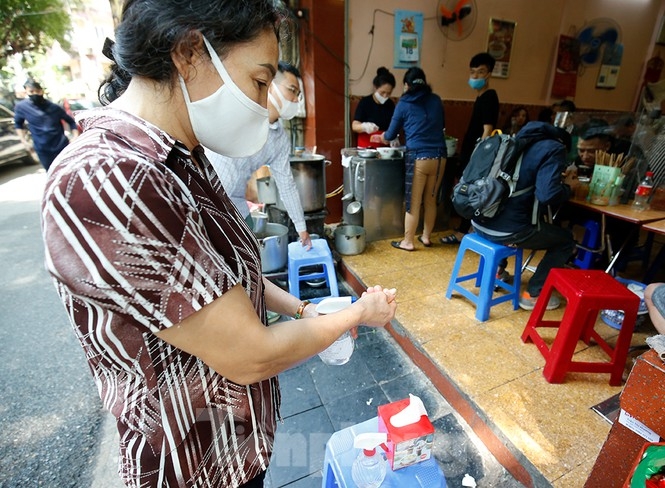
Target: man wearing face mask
{"points": [[44, 120], [484, 117], [234, 173]]}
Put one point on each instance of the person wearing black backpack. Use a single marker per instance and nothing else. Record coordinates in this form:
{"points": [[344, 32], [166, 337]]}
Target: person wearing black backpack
{"points": [[543, 162]]}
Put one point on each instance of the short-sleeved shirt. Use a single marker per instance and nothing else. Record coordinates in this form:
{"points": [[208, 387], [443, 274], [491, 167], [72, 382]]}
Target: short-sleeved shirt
{"points": [[368, 110], [139, 234], [485, 112], [45, 124]]}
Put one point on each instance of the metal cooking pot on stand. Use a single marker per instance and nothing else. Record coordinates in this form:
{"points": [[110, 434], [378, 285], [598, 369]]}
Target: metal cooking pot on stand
{"points": [[310, 177], [274, 247]]}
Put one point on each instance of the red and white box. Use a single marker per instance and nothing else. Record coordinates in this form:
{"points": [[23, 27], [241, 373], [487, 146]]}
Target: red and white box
{"points": [[410, 432]]}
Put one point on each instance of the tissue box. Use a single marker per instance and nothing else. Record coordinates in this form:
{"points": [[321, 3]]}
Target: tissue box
{"points": [[407, 445]]}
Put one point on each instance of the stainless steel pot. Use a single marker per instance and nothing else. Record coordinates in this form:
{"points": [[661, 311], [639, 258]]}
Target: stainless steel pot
{"points": [[274, 247], [310, 177], [266, 190], [350, 239]]}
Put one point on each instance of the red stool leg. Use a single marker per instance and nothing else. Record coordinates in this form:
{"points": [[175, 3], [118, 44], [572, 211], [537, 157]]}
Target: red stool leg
{"points": [[561, 353]]}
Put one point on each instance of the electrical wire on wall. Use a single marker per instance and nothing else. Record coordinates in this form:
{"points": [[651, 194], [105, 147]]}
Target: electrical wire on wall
{"points": [[371, 43]]}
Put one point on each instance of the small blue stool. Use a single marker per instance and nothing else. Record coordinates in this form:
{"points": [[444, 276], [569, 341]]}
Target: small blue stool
{"points": [[340, 455], [490, 256], [319, 254], [590, 241]]}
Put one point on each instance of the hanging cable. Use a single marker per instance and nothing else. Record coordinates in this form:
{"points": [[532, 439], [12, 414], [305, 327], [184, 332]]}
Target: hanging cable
{"points": [[335, 192]]}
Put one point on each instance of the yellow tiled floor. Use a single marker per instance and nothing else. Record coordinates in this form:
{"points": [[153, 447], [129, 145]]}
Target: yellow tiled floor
{"points": [[553, 425]]}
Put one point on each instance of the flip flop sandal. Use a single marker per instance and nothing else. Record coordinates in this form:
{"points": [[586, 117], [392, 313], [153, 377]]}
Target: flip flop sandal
{"points": [[396, 245], [451, 239], [420, 239]]}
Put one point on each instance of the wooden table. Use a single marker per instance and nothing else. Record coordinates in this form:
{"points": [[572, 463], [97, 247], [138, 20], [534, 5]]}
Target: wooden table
{"points": [[657, 227], [626, 213], [623, 212]]}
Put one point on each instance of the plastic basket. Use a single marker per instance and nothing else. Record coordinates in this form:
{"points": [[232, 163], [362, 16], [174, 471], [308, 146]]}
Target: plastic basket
{"points": [[614, 318]]}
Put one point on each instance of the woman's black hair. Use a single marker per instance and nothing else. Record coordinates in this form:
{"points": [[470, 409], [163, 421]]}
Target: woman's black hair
{"points": [[150, 30], [416, 81], [383, 77]]}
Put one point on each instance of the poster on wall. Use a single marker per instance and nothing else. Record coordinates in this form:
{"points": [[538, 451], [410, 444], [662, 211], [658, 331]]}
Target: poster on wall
{"points": [[408, 38], [500, 45], [567, 62]]}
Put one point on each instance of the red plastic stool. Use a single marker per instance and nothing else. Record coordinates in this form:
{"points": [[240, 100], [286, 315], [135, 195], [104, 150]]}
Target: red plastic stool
{"points": [[587, 292]]}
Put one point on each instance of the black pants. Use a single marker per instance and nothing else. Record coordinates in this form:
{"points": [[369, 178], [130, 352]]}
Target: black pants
{"points": [[558, 244]]}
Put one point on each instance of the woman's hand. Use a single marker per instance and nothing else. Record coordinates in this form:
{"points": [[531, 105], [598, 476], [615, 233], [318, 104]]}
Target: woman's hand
{"points": [[379, 306]]}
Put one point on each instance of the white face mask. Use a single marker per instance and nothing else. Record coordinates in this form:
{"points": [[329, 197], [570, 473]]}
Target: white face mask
{"points": [[286, 108], [228, 121], [379, 98]]}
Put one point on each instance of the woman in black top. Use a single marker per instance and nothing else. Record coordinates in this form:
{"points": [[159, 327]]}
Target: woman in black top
{"points": [[374, 111]]}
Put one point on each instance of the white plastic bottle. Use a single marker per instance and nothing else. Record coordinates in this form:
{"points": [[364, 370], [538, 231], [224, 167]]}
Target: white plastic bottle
{"points": [[340, 351], [369, 468], [643, 192]]}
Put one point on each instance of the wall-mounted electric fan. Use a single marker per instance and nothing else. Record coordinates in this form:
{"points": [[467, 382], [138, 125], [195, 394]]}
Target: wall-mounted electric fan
{"points": [[456, 18]]}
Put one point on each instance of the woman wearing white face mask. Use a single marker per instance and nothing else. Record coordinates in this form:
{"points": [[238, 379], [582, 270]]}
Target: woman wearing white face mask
{"points": [[157, 270], [374, 112], [234, 173]]}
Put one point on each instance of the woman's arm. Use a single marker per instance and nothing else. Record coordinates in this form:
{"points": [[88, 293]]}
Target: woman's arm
{"points": [[228, 335]]}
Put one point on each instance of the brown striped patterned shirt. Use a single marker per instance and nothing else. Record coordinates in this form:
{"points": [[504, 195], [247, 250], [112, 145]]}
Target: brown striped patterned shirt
{"points": [[137, 238]]}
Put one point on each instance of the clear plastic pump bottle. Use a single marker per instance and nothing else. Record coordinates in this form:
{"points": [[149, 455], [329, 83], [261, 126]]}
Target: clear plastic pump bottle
{"points": [[369, 468]]}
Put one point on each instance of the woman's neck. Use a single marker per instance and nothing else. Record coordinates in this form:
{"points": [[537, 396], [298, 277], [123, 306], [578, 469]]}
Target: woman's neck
{"points": [[160, 105]]}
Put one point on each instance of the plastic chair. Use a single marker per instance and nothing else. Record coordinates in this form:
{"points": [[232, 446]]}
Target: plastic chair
{"points": [[490, 256], [340, 454], [587, 292], [319, 254]]}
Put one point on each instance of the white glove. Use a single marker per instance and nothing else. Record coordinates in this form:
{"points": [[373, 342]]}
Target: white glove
{"points": [[369, 127]]}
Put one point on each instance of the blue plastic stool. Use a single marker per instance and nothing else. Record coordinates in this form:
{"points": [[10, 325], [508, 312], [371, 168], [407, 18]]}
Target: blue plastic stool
{"points": [[319, 254], [590, 240], [490, 256], [340, 455]]}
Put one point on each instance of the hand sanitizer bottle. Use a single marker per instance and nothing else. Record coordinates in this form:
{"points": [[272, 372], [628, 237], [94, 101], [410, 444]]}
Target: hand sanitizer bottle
{"points": [[369, 468]]}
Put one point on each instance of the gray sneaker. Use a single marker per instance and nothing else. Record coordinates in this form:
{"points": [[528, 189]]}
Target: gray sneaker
{"points": [[527, 302]]}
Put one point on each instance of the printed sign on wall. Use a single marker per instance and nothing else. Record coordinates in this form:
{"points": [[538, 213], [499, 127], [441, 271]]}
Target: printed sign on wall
{"points": [[408, 38]]}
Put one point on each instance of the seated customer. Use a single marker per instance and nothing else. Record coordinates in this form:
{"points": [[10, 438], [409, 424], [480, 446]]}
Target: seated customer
{"points": [[654, 297], [593, 136], [542, 165]]}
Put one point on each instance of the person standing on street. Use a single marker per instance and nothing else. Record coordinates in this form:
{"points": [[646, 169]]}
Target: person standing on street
{"points": [[156, 268], [44, 120]]}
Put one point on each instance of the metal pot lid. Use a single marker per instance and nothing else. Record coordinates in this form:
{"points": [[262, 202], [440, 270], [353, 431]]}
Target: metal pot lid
{"points": [[306, 158]]}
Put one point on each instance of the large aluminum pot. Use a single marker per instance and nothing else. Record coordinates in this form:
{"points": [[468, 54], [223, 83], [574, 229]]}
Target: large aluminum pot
{"points": [[266, 190], [350, 239], [274, 246], [310, 177]]}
